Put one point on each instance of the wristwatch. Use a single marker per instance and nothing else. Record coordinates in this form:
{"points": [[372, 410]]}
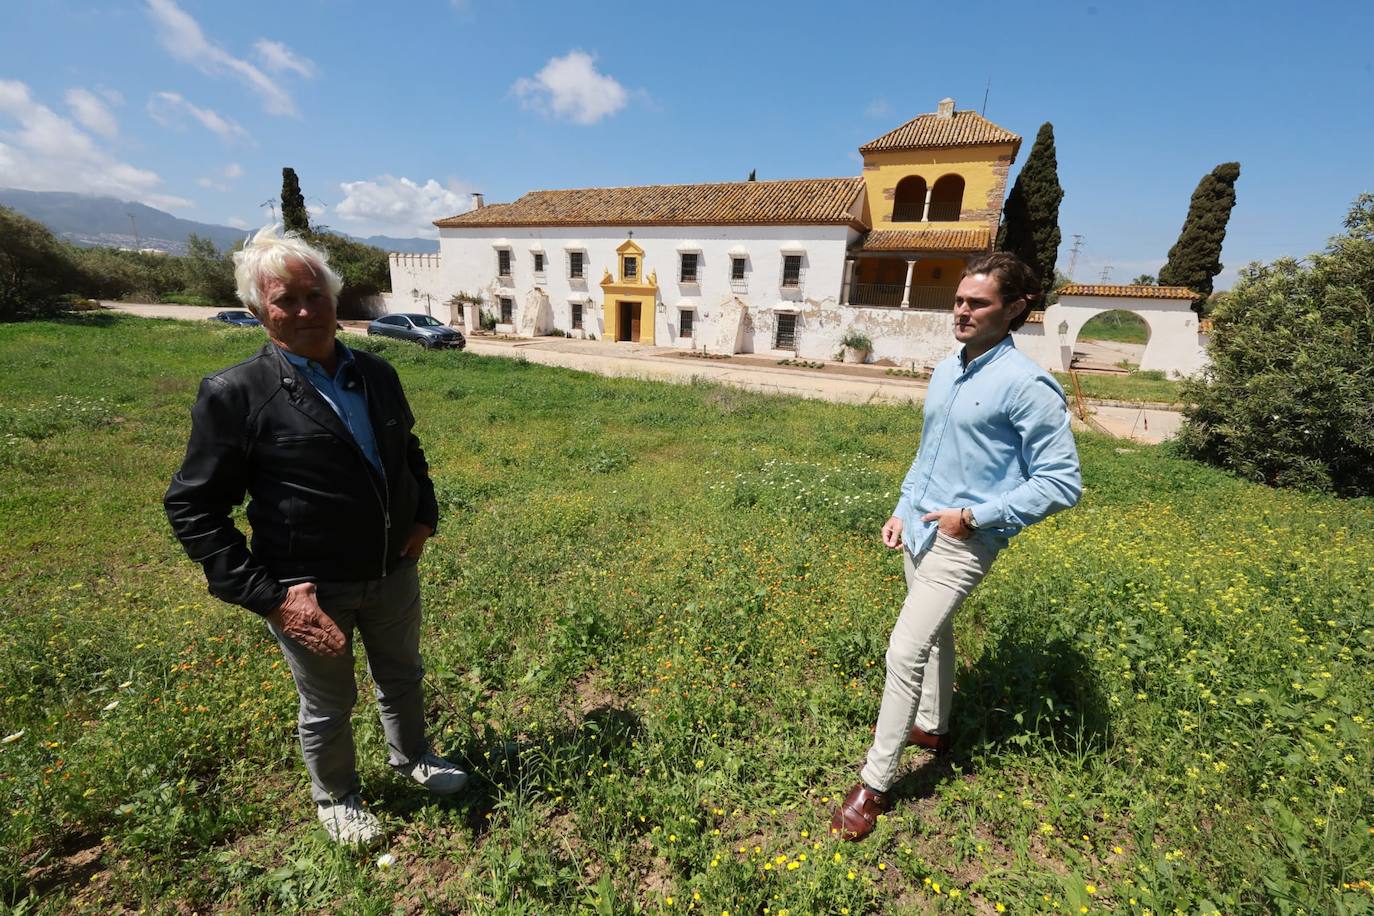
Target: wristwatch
{"points": [[966, 516]]}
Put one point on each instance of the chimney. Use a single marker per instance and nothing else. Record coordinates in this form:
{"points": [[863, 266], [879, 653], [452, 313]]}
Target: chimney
{"points": [[946, 109], [477, 202]]}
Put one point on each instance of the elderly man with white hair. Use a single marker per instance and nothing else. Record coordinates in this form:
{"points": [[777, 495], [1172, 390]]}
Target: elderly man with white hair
{"points": [[340, 506]]}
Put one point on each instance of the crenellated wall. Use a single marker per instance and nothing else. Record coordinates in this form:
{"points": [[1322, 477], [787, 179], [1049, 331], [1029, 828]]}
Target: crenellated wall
{"points": [[413, 276]]}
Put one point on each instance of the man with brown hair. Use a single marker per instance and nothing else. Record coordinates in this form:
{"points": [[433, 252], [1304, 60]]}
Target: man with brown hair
{"points": [[996, 455]]}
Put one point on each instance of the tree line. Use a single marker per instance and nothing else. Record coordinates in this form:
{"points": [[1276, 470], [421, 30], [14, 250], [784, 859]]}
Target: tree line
{"points": [[41, 274]]}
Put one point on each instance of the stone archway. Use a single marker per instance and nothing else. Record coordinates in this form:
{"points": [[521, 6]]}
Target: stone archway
{"points": [[1174, 346], [1112, 339]]}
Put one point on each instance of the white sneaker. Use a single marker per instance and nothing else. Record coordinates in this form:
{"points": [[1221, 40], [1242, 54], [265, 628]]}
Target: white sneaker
{"points": [[437, 775], [348, 822]]}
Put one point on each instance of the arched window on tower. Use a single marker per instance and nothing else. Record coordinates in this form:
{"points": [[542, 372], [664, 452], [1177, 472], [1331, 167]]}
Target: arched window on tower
{"points": [[946, 199], [909, 200]]}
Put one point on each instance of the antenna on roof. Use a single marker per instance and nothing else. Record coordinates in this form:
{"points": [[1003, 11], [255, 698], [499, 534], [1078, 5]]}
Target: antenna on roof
{"points": [[986, 90]]}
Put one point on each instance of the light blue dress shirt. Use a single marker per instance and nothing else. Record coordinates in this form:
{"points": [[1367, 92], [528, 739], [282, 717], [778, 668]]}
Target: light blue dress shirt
{"points": [[344, 392], [995, 439]]}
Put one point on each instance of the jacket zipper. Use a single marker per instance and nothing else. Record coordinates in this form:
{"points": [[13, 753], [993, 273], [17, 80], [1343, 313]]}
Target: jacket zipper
{"points": [[385, 500]]}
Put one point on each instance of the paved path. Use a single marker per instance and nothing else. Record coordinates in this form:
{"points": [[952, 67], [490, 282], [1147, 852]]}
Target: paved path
{"points": [[837, 382]]}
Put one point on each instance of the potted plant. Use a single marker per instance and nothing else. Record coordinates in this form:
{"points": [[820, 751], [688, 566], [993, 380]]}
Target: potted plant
{"points": [[857, 346]]}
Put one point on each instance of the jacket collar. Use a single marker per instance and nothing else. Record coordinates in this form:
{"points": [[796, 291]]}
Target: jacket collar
{"points": [[301, 394]]}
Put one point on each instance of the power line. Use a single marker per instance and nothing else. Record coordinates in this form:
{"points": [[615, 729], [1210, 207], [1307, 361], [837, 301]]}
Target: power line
{"points": [[1106, 273], [1073, 259]]}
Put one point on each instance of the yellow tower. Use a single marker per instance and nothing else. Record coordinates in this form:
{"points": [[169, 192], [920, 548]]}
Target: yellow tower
{"points": [[933, 194]]}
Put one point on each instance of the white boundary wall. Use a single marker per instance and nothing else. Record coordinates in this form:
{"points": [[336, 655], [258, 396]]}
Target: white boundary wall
{"points": [[412, 277], [1176, 346]]}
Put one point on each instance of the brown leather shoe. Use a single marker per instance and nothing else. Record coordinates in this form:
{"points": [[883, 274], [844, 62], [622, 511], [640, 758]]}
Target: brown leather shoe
{"points": [[919, 737], [936, 744], [856, 817]]}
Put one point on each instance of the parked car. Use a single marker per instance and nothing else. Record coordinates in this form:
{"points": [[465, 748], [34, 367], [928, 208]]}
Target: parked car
{"points": [[239, 317], [422, 329]]}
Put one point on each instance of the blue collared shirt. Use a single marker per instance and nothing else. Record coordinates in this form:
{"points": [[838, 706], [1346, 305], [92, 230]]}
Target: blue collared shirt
{"points": [[995, 439], [344, 393]]}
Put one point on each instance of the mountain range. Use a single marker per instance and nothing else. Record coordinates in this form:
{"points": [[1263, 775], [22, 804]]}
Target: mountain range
{"points": [[84, 219]]}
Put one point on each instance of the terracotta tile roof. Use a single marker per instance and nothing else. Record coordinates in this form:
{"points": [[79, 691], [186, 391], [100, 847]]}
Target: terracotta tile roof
{"points": [[965, 128], [973, 239], [1128, 292], [794, 201]]}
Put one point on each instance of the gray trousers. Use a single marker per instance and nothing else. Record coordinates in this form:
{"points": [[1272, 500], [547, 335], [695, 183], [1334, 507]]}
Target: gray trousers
{"points": [[386, 613], [920, 653]]}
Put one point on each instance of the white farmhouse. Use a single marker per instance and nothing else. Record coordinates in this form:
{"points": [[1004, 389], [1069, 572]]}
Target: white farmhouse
{"points": [[783, 267]]}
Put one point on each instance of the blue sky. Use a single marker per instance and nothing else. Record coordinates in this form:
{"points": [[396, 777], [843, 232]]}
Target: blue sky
{"points": [[393, 113]]}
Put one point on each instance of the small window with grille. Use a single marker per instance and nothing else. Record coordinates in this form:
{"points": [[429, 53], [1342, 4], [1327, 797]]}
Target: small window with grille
{"points": [[631, 267], [684, 322], [575, 265], [507, 309], [787, 332], [503, 262], [737, 269], [577, 316], [539, 262], [689, 267], [791, 270]]}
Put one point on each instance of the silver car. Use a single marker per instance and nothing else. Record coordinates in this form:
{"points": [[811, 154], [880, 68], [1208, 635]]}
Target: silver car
{"points": [[425, 330]]}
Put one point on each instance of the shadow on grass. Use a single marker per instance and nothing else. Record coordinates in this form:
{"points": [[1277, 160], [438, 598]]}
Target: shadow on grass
{"points": [[1020, 696], [502, 766]]}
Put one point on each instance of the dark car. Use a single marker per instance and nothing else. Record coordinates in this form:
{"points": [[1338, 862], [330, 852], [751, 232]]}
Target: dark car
{"points": [[237, 317], [423, 329]]}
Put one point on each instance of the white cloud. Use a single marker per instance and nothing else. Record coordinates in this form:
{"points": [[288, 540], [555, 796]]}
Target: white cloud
{"points": [[231, 171], [878, 108], [50, 153], [167, 108], [91, 112], [399, 206], [182, 38], [236, 222], [570, 87], [277, 57], [113, 96]]}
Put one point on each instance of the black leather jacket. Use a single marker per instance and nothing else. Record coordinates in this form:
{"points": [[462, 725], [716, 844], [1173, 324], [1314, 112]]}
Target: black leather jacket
{"points": [[319, 510]]}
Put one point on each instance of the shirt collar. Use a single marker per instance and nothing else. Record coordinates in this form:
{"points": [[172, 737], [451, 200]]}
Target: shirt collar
{"points": [[344, 355], [996, 350]]}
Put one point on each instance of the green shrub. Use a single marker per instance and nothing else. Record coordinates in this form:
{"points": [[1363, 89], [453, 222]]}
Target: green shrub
{"points": [[35, 268], [1289, 397], [857, 340]]}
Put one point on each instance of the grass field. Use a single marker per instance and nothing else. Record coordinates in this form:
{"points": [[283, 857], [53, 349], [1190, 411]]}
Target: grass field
{"points": [[1142, 387], [655, 626], [1117, 325]]}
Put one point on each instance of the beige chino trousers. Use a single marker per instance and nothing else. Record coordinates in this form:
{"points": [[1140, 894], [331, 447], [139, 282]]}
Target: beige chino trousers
{"points": [[920, 653]]}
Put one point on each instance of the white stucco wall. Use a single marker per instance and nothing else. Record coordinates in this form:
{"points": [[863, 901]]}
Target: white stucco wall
{"points": [[1175, 346], [412, 277], [469, 264]]}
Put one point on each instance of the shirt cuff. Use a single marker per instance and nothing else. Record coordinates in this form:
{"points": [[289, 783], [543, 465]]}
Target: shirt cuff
{"points": [[987, 515]]}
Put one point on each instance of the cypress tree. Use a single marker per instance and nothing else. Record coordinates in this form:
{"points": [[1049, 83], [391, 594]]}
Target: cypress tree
{"points": [[293, 212], [1030, 218], [1196, 257]]}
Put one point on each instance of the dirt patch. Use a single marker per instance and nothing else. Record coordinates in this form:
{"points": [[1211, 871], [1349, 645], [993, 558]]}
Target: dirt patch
{"points": [[588, 695], [77, 866]]}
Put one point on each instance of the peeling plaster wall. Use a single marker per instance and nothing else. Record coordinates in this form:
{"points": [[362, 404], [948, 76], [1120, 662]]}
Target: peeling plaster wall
{"points": [[1175, 347], [911, 338]]}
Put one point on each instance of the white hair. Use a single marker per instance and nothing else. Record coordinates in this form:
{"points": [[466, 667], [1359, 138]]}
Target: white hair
{"points": [[268, 253]]}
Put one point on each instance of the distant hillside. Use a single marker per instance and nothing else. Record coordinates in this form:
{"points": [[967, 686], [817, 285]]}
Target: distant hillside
{"points": [[88, 220]]}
